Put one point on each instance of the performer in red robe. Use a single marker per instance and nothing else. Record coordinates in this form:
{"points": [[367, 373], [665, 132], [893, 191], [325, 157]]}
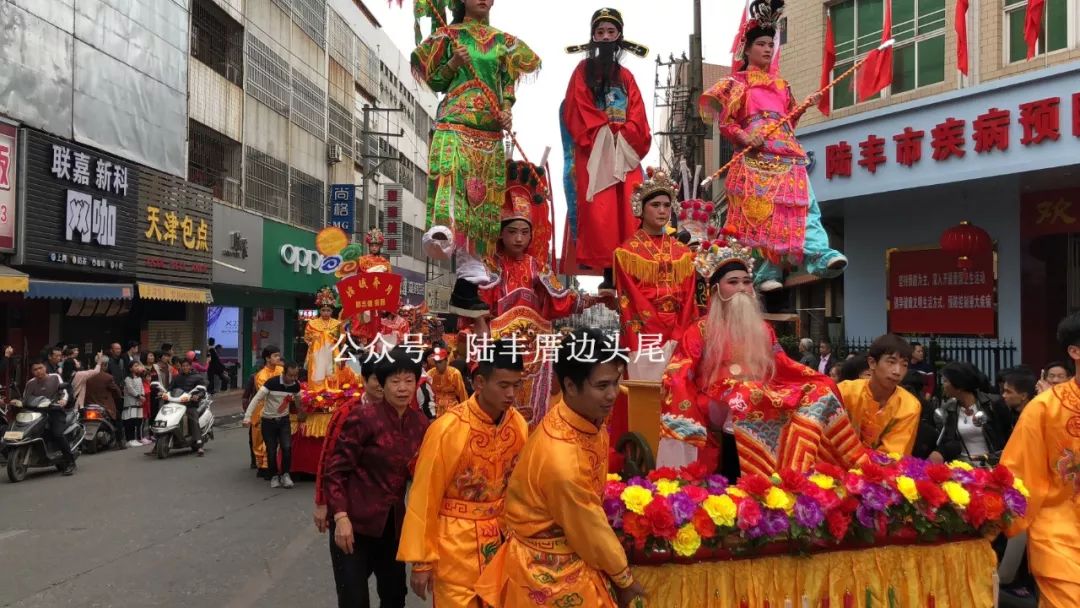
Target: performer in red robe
{"points": [[654, 275], [605, 135]]}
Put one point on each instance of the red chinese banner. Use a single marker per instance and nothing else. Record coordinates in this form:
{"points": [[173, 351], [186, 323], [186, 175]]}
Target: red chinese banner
{"points": [[929, 294], [369, 291], [1050, 212]]}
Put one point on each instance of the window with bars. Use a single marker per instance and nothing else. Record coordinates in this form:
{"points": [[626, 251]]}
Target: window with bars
{"points": [[307, 207], [308, 105], [266, 184], [407, 239], [310, 15], [282, 4], [423, 124], [212, 160], [919, 54], [268, 75], [367, 72], [341, 40], [217, 40], [1055, 28], [341, 127]]}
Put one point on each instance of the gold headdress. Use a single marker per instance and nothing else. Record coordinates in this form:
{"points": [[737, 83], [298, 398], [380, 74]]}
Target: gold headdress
{"points": [[657, 182], [326, 297], [714, 255], [374, 236]]}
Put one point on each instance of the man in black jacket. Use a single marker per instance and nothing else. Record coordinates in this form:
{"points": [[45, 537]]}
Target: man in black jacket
{"points": [[51, 387], [186, 381]]}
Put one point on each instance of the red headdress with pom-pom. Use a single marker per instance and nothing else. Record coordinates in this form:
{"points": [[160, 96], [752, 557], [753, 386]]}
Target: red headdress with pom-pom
{"points": [[526, 200]]}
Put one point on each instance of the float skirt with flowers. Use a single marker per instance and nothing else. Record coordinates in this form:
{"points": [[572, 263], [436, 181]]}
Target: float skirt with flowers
{"points": [[318, 407], [894, 532]]}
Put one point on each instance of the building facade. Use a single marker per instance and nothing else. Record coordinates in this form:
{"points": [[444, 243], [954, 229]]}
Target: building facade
{"points": [[998, 147]]}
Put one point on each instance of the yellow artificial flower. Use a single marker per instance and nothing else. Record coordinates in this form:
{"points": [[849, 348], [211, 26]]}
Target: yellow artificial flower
{"points": [[1018, 485], [894, 456], [823, 481], [855, 471], [906, 485], [667, 487], [687, 541], [721, 510], [614, 477], [776, 498], [736, 492], [956, 493], [636, 498], [960, 464]]}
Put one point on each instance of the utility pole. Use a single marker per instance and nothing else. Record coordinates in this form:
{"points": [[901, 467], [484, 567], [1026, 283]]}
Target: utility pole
{"points": [[369, 171], [697, 87]]}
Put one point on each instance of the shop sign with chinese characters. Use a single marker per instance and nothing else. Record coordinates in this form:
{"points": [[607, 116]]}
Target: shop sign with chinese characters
{"points": [[83, 206], [174, 231], [1018, 124], [930, 295], [9, 136]]}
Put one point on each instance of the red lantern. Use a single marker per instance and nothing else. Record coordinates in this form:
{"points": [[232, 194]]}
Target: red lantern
{"points": [[966, 240]]}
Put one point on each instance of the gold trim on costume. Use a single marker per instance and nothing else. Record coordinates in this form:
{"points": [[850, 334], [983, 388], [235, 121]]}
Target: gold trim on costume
{"points": [[648, 271]]}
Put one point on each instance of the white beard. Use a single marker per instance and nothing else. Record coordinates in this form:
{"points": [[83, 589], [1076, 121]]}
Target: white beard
{"points": [[735, 334]]}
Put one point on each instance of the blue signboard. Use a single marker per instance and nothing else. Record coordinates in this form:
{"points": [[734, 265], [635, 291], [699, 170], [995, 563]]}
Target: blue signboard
{"points": [[343, 206]]}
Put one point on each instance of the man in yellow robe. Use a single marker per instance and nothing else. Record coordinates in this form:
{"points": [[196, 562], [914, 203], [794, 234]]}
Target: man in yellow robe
{"points": [[272, 368], [451, 528], [884, 414], [447, 382], [1044, 452], [560, 549]]}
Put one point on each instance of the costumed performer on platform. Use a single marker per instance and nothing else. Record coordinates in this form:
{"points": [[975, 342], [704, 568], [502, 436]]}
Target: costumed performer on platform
{"points": [[452, 528], [518, 287], [446, 381], [1044, 452], [321, 335], [771, 207], [730, 376], [654, 277], [366, 325], [885, 415], [560, 549], [605, 134], [466, 167]]}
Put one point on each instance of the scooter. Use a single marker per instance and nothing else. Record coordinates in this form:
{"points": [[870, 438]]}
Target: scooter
{"points": [[170, 426], [25, 442], [101, 430]]}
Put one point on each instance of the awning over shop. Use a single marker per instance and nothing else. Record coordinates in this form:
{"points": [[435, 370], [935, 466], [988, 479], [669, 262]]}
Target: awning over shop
{"points": [[13, 280], [76, 290], [171, 293]]}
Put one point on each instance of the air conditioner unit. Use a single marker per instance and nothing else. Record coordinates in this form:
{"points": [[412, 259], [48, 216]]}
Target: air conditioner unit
{"points": [[333, 153]]}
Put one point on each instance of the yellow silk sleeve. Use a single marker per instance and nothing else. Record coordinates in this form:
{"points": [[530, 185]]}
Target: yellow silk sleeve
{"points": [[900, 438], [435, 465], [576, 508], [459, 387], [1025, 456]]}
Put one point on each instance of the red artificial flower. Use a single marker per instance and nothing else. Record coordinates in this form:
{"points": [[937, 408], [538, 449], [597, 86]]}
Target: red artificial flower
{"points": [[939, 473], [663, 473], [754, 484], [838, 523], [697, 494], [975, 513], [749, 514], [695, 471], [982, 476], [704, 524], [907, 532], [661, 518], [793, 481], [872, 472], [614, 489], [829, 469], [1002, 476], [636, 526], [931, 493], [828, 499], [995, 505], [849, 505]]}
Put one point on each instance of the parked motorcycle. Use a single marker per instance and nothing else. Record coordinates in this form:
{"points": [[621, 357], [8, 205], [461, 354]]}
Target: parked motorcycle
{"points": [[26, 443], [102, 432], [170, 427]]}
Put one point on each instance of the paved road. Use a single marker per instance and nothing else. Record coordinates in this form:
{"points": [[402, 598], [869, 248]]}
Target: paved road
{"points": [[129, 530]]}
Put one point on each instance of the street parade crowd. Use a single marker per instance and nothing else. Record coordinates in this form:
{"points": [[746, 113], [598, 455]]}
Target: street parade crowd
{"points": [[490, 467]]}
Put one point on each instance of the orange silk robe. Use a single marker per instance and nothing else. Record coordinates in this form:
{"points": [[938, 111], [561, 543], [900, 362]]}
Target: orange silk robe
{"points": [[451, 523], [1044, 452], [560, 549], [257, 445], [889, 429], [449, 388], [654, 276]]}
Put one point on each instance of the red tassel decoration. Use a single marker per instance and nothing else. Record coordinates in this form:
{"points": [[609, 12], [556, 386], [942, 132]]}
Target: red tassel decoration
{"points": [[849, 600]]}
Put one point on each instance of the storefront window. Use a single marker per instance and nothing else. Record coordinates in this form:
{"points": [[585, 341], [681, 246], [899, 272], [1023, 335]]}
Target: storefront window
{"points": [[1055, 28], [919, 30]]}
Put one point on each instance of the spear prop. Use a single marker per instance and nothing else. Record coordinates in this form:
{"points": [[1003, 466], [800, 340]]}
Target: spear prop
{"points": [[491, 97], [809, 101]]}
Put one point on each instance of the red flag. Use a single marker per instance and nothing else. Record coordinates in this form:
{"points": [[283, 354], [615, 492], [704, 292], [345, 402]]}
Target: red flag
{"points": [[1033, 19], [961, 36], [876, 73], [828, 62], [369, 291]]}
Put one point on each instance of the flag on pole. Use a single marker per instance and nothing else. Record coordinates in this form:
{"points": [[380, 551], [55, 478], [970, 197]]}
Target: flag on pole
{"points": [[961, 36], [1033, 19], [877, 72], [828, 62]]}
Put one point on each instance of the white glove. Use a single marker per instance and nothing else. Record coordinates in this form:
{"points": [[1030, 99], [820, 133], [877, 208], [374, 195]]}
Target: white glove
{"points": [[438, 248]]}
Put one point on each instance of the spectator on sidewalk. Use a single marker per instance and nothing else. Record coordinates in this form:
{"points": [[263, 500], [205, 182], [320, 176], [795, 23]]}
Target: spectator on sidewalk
{"points": [[806, 352], [825, 359], [101, 388], [216, 368], [132, 416], [1017, 389], [117, 367], [964, 435], [10, 374], [276, 396], [70, 364], [132, 355], [1055, 372], [54, 360], [918, 360], [855, 367]]}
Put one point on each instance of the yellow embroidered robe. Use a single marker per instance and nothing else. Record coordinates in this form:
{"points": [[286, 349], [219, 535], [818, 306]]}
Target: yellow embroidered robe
{"points": [[257, 445], [888, 429]]}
